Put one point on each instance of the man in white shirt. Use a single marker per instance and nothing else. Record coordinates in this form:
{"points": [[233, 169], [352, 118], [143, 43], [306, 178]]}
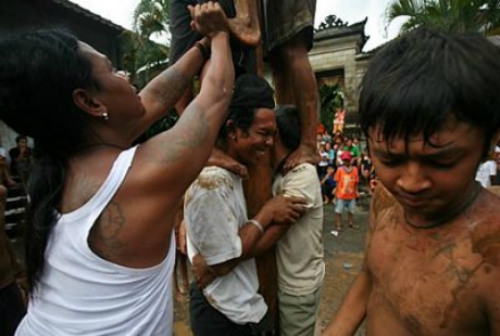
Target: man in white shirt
{"points": [[486, 173], [217, 223], [299, 253]]}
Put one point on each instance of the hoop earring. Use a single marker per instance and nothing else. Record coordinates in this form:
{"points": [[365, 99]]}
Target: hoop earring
{"points": [[105, 116]]}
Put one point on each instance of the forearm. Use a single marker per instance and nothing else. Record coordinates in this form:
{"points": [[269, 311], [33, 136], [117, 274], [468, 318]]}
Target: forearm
{"points": [[185, 148], [165, 90], [217, 86], [353, 308], [220, 73], [249, 235], [203, 118], [268, 239]]}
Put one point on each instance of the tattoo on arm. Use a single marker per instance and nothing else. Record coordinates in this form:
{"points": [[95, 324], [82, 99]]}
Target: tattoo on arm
{"points": [[195, 129], [168, 87]]}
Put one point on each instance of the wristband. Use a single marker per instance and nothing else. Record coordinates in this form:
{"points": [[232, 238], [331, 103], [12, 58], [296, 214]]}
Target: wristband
{"points": [[205, 52], [257, 225]]}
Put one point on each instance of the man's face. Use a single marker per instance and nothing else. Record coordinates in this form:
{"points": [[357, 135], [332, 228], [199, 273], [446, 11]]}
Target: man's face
{"points": [[346, 162], [431, 178], [22, 143], [251, 146]]}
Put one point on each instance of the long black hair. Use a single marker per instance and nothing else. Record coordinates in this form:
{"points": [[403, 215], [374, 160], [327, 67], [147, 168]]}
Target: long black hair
{"points": [[39, 71], [415, 82]]}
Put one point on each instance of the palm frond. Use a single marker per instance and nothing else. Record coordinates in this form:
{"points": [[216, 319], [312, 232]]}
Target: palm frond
{"points": [[447, 15]]}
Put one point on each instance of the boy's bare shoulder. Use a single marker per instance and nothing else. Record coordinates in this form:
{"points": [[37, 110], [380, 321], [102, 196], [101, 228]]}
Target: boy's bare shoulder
{"points": [[487, 210], [486, 233], [495, 190], [485, 241]]}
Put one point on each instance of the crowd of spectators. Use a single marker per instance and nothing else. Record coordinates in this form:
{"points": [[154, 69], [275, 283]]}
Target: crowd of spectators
{"points": [[332, 146], [330, 149], [488, 173], [346, 173], [16, 164]]}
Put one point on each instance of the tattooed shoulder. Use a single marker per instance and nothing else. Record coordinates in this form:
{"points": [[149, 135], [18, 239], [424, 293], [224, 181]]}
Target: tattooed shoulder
{"points": [[104, 237]]}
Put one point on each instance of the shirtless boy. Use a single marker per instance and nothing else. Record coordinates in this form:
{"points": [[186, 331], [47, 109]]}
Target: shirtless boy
{"points": [[430, 107]]}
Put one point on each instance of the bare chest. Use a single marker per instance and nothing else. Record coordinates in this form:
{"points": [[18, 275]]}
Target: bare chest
{"points": [[427, 281]]}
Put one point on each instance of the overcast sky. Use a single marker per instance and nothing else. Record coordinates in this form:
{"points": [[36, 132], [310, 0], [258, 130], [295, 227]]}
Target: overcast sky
{"points": [[120, 12]]}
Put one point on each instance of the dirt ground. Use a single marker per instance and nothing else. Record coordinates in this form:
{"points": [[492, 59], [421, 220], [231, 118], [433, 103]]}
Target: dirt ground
{"points": [[343, 258]]}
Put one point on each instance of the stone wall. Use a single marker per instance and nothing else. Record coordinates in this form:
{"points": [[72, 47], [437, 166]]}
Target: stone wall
{"points": [[340, 54]]}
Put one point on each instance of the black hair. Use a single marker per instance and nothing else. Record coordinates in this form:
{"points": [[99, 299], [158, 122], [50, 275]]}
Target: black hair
{"points": [[250, 94], [288, 125], [20, 137], [39, 71], [241, 117], [416, 81]]}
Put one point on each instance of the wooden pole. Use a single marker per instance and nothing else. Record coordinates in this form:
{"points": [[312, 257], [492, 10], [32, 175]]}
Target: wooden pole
{"points": [[257, 193]]}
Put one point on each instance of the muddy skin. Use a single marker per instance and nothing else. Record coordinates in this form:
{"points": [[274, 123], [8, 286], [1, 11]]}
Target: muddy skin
{"points": [[433, 281]]}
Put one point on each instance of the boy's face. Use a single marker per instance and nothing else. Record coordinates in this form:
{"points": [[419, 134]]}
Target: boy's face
{"points": [[429, 179]]}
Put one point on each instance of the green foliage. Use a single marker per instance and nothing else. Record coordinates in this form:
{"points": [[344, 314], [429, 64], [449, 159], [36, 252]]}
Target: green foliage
{"points": [[330, 99], [448, 15], [141, 56], [151, 17]]}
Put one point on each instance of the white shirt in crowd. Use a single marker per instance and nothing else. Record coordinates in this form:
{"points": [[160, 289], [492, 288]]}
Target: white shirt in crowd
{"points": [[485, 171]]}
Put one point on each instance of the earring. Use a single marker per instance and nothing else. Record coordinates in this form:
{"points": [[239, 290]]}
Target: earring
{"points": [[105, 116]]}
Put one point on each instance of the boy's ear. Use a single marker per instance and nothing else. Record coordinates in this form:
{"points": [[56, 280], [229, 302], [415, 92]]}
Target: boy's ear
{"points": [[87, 103]]}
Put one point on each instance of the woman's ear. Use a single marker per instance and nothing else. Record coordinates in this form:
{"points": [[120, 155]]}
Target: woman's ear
{"points": [[87, 103]]}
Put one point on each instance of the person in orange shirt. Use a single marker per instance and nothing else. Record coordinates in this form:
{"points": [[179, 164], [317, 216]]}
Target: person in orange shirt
{"points": [[347, 179]]}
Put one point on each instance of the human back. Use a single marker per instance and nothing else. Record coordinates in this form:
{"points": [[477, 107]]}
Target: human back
{"points": [[67, 295]]}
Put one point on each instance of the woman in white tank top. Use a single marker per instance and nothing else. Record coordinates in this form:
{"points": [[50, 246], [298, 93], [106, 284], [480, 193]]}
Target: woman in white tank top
{"points": [[100, 249]]}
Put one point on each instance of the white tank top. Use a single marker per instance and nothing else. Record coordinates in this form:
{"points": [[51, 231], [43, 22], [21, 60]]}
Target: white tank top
{"points": [[81, 294]]}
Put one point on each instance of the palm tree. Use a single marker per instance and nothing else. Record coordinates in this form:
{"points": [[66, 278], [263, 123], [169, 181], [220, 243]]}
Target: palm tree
{"points": [[151, 17], [144, 58], [141, 55], [448, 15]]}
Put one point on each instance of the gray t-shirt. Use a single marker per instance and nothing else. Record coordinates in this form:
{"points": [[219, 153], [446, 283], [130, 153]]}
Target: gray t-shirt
{"points": [[299, 253]]}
